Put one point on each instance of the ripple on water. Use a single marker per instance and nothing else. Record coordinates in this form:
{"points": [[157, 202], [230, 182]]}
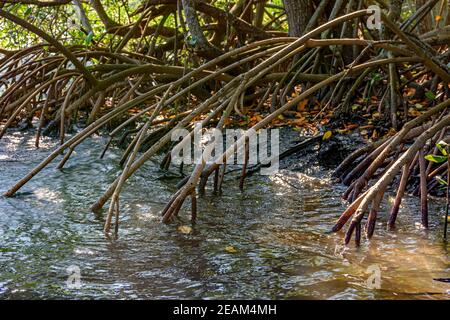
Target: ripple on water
{"points": [[277, 228]]}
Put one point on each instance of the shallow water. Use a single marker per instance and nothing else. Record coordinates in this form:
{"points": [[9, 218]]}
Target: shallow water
{"points": [[277, 229]]}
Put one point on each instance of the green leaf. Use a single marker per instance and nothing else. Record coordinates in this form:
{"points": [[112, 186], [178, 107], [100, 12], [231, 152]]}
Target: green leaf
{"points": [[28, 11], [192, 41], [441, 147], [430, 95], [436, 159], [441, 181], [375, 78], [327, 135], [89, 38]]}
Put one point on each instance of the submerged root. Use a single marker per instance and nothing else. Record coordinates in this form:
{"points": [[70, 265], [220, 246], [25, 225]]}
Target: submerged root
{"points": [[140, 100], [403, 160]]}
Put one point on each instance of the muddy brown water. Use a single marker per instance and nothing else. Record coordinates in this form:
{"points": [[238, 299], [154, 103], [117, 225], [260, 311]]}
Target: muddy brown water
{"points": [[270, 241]]}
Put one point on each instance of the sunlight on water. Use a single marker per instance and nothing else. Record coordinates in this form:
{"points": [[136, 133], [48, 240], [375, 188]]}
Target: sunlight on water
{"points": [[271, 241]]}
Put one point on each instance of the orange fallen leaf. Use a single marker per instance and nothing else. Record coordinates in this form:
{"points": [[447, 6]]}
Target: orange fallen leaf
{"points": [[375, 134], [413, 112], [298, 122], [302, 105]]}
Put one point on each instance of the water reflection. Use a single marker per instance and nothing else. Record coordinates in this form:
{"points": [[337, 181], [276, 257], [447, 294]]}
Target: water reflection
{"points": [[277, 228]]}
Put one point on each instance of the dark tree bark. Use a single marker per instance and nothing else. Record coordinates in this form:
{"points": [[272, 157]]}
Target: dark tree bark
{"points": [[395, 9], [298, 13], [83, 17], [106, 20], [426, 24], [199, 41]]}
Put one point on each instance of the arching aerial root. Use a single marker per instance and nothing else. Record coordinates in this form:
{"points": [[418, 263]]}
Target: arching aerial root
{"points": [[137, 81], [427, 127]]}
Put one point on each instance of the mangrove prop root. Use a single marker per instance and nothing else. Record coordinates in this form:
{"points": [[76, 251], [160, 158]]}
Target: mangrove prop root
{"points": [[360, 206], [142, 97], [423, 189]]}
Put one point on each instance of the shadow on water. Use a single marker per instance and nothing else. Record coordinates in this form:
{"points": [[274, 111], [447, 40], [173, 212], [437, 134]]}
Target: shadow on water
{"points": [[270, 241]]}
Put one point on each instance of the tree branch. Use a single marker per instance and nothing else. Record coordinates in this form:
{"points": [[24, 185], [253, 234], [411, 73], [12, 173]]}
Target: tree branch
{"points": [[69, 55]]}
